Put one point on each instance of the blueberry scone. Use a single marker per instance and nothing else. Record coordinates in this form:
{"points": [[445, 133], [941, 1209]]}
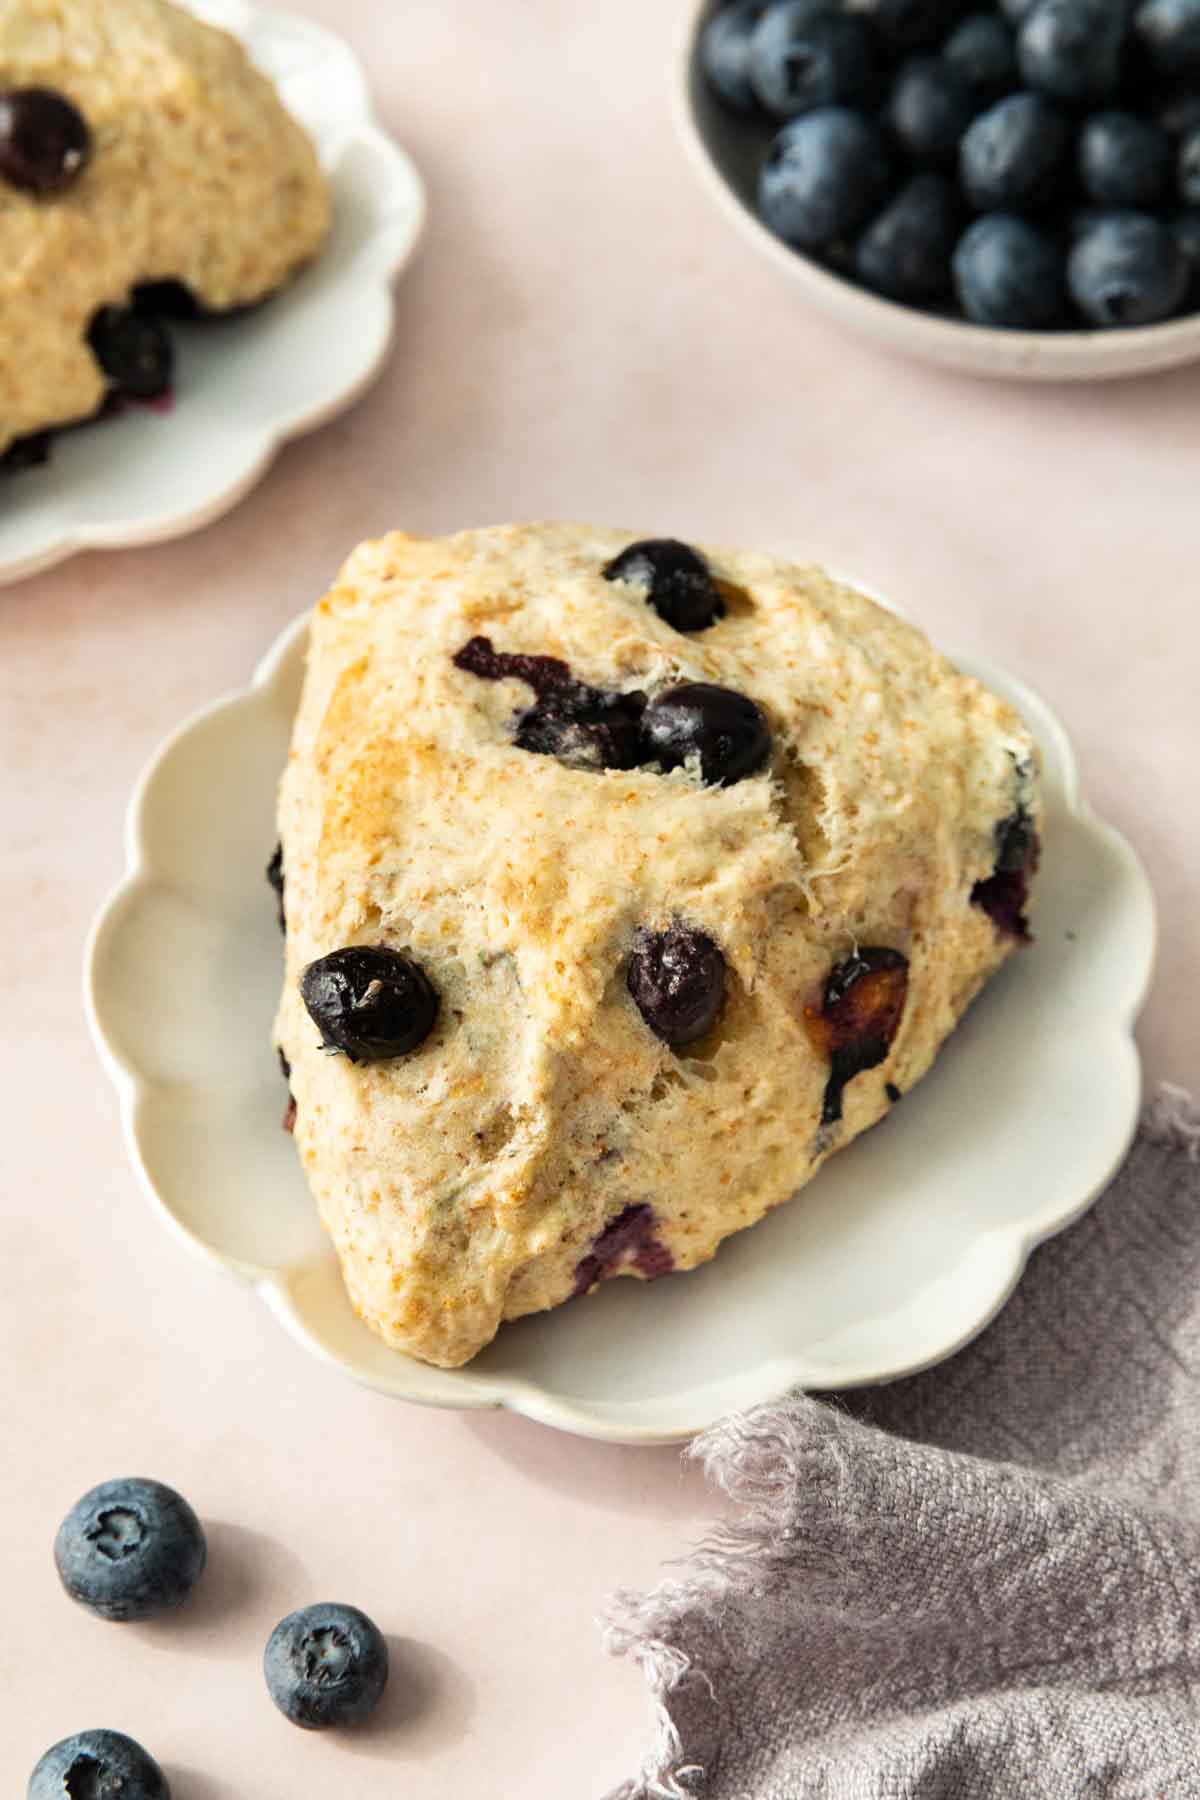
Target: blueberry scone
{"points": [[145, 164], [623, 883]]}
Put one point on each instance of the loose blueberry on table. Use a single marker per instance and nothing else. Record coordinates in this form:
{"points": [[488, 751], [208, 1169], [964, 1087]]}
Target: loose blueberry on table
{"points": [[98, 1765], [326, 1665], [129, 1549], [1035, 167]]}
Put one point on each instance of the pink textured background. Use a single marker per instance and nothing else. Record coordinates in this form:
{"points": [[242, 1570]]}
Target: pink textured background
{"points": [[582, 336]]}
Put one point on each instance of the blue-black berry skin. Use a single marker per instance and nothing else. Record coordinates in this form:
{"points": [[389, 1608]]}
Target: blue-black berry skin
{"points": [[1126, 270], [325, 1666], [930, 107], [824, 175], [1014, 157], [984, 49], [98, 1765], [1123, 160], [129, 1549], [905, 252], [1009, 273], [1070, 50], [1188, 168], [1168, 36], [725, 54], [831, 61]]}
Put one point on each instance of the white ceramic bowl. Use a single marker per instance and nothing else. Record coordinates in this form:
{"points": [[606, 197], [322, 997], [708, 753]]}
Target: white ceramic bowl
{"points": [[899, 1251], [727, 152], [243, 386]]}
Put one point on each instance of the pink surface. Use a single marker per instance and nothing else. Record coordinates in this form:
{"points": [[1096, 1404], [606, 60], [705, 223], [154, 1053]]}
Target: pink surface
{"points": [[582, 336]]}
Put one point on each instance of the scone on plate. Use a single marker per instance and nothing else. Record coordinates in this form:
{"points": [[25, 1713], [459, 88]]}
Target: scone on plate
{"points": [[144, 163], [624, 882]]}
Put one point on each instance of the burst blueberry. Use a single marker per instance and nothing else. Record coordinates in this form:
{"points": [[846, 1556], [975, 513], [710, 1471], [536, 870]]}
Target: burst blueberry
{"points": [[133, 350], [326, 1665]]}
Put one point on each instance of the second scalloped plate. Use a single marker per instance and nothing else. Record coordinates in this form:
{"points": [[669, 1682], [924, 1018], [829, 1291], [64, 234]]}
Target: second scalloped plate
{"points": [[245, 385], [900, 1250]]}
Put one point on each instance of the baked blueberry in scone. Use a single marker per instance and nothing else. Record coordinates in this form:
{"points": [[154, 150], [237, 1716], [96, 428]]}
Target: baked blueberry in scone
{"points": [[611, 911], [146, 167]]}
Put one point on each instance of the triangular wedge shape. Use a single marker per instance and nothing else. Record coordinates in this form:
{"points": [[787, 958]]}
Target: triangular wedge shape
{"points": [[592, 1019]]}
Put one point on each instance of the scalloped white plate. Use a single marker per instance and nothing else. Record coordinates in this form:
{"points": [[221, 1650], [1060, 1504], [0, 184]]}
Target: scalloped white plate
{"points": [[903, 1247], [243, 386]]}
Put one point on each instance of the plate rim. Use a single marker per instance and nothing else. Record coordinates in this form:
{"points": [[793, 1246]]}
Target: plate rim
{"points": [[360, 129], [1012, 1244]]}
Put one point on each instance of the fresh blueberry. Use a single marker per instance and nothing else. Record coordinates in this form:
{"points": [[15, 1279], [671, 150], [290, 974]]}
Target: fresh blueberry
{"points": [[1177, 110], [31, 452], [98, 1765], [1188, 168], [1185, 229], [130, 1549], [370, 1002], [677, 979], [44, 140], [1009, 272], [1014, 155], [825, 174], [723, 729], [1168, 34], [984, 50], [830, 61], [133, 350], [1071, 49], [1124, 161], [862, 1003], [725, 53], [1017, 11], [905, 25], [275, 878], [772, 38], [930, 107], [905, 252], [679, 582], [1127, 270], [326, 1665]]}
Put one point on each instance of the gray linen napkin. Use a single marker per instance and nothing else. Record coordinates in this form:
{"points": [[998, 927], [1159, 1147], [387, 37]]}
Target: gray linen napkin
{"points": [[979, 1583]]}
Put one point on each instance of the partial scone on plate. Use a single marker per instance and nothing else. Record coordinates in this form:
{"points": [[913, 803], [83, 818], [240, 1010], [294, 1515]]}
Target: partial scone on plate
{"points": [[146, 167], [623, 883]]}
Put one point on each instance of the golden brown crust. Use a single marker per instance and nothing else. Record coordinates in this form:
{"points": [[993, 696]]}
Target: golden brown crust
{"points": [[465, 1183], [197, 174]]}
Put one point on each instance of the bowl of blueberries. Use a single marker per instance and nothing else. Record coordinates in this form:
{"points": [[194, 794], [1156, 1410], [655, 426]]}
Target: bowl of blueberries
{"points": [[1010, 190]]}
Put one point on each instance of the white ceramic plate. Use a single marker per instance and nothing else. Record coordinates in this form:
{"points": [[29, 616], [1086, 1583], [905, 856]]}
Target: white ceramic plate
{"points": [[900, 1250], [727, 153], [243, 386]]}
